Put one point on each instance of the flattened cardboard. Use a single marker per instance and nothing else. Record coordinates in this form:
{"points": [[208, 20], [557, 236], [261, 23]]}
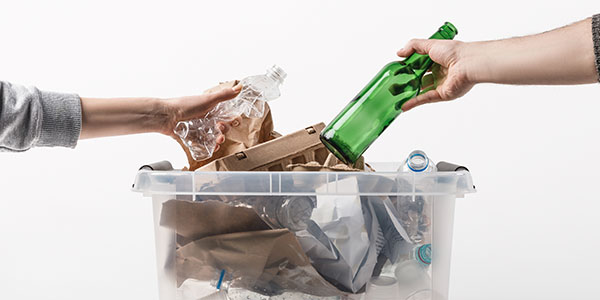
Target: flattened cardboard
{"points": [[331, 164], [275, 155]]}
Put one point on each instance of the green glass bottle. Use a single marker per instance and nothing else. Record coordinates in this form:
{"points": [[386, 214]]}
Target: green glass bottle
{"points": [[362, 121]]}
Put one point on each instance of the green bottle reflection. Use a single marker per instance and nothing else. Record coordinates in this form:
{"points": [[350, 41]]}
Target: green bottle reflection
{"points": [[362, 121]]}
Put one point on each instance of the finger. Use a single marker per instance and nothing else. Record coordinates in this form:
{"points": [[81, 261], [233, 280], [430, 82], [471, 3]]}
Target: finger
{"points": [[217, 148], [236, 122], [428, 97], [223, 127], [220, 139], [427, 89], [420, 46]]}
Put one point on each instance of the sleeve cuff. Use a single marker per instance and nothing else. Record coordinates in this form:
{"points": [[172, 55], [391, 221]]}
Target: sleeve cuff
{"points": [[61, 120], [596, 38]]}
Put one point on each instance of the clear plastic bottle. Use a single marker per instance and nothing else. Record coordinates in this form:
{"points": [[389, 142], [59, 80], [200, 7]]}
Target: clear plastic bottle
{"points": [[415, 211], [418, 162], [412, 273], [221, 284], [200, 135], [292, 213], [420, 254], [382, 288]]}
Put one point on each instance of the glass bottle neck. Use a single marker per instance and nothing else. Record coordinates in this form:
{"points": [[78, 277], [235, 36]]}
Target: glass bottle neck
{"points": [[420, 63]]}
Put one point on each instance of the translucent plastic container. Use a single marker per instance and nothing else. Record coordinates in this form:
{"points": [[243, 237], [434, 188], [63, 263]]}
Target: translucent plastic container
{"points": [[177, 225]]}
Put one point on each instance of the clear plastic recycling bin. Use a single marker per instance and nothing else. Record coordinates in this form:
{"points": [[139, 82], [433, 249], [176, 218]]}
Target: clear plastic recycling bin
{"points": [[304, 235]]}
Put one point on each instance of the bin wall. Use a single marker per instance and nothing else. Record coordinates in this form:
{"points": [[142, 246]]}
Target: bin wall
{"points": [[437, 191]]}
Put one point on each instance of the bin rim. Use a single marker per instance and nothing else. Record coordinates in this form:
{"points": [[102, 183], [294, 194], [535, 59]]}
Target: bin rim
{"points": [[177, 182]]}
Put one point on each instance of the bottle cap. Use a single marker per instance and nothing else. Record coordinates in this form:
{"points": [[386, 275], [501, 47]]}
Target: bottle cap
{"points": [[277, 72], [424, 254]]}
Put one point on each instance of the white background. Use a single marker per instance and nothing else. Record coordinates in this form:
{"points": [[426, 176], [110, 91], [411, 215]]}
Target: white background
{"points": [[70, 228]]}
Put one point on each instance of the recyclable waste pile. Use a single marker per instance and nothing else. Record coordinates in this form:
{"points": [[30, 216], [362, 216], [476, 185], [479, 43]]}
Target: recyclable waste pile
{"points": [[319, 245]]}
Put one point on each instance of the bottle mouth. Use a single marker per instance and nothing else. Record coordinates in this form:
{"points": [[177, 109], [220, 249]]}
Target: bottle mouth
{"points": [[277, 73], [417, 161], [448, 30], [181, 129], [451, 27]]}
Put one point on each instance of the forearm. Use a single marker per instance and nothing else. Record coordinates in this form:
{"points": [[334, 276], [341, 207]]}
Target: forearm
{"points": [[561, 56], [121, 116]]}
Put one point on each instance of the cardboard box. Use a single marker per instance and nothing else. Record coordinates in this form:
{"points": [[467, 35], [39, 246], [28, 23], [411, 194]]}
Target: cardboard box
{"points": [[300, 147]]}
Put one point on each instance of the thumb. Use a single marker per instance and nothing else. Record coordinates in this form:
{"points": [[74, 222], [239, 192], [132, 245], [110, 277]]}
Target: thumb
{"points": [[222, 95], [421, 46]]}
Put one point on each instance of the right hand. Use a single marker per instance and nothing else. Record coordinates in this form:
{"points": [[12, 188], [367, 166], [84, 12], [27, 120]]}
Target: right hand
{"points": [[449, 76]]}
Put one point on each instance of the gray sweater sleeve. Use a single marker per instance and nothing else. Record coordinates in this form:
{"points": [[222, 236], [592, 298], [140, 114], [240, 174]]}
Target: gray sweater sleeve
{"points": [[33, 118], [596, 38]]}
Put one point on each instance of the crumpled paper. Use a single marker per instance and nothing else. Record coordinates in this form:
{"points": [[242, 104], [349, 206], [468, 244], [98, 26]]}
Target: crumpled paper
{"points": [[195, 220], [214, 236], [268, 262]]}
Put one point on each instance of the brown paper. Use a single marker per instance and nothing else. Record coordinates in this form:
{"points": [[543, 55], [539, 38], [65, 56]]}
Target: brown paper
{"points": [[249, 132], [196, 220], [331, 164], [268, 262]]}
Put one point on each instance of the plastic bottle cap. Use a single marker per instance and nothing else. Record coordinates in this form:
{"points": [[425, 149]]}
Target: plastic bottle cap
{"points": [[424, 254], [277, 72]]}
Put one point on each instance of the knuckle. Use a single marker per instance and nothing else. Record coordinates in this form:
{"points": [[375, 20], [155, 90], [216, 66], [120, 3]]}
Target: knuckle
{"points": [[412, 42]]}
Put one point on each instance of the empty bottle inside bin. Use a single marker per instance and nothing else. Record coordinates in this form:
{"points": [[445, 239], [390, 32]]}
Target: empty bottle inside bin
{"points": [[415, 209]]}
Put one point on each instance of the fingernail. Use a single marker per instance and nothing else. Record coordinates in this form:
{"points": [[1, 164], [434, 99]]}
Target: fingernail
{"points": [[221, 127], [237, 88]]}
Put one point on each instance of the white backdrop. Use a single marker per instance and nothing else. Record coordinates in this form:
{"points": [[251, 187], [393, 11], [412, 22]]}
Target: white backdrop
{"points": [[71, 229]]}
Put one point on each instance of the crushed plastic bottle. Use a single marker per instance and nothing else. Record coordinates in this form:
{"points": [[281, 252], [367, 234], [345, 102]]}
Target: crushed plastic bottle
{"points": [[293, 213], [414, 281], [200, 135], [382, 288]]}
